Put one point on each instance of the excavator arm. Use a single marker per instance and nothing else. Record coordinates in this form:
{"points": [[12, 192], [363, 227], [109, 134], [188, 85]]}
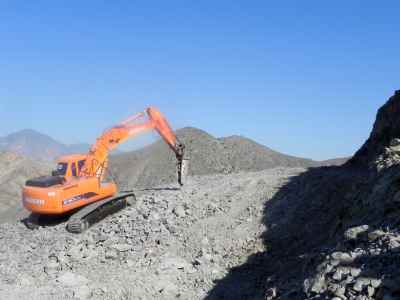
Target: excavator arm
{"points": [[151, 119]]}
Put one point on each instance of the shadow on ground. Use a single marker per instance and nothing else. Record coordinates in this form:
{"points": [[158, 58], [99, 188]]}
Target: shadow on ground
{"points": [[157, 189], [303, 218], [35, 221]]}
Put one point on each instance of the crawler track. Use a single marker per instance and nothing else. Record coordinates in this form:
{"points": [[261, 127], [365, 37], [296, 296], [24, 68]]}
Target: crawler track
{"points": [[95, 212]]}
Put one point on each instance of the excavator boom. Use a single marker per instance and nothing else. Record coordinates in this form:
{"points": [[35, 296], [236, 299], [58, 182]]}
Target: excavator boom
{"points": [[151, 119]]}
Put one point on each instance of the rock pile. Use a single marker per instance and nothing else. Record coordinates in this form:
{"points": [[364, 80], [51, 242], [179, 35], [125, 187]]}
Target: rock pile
{"points": [[155, 164], [171, 244], [364, 267]]}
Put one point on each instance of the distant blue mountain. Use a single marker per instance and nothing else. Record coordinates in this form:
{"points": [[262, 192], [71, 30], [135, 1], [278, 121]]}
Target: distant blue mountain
{"points": [[36, 145]]}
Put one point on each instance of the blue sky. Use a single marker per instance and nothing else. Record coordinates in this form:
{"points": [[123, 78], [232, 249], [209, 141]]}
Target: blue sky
{"points": [[302, 77]]}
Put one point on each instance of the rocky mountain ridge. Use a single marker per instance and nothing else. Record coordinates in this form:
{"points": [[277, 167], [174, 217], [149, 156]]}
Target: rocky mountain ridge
{"points": [[208, 155], [38, 146]]}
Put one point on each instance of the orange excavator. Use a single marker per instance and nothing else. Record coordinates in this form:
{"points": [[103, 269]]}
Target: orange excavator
{"points": [[79, 186]]}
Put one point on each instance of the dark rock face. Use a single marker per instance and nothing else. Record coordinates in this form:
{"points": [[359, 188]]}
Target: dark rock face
{"points": [[363, 261], [358, 255], [386, 129]]}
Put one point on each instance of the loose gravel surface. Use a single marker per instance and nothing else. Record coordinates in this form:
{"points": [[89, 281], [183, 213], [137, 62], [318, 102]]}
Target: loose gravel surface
{"points": [[170, 244]]}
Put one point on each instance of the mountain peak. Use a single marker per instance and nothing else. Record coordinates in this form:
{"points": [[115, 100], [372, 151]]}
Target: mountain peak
{"points": [[29, 134], [27, 131], [36, 145]]}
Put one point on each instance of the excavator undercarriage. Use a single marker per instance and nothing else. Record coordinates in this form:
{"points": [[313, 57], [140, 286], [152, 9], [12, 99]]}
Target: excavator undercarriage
{"points": [[97, 211]]}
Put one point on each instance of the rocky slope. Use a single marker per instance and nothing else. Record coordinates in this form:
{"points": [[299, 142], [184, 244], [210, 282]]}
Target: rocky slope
{"points": [[155, 164], [364, 262], [14, 171]]}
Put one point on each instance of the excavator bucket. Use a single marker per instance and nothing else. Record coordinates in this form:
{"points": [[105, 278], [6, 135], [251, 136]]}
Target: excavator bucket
{"points": [[183, 169]]}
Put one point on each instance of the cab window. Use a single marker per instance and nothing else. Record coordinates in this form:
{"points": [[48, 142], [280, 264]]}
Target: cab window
{"points": [[73, 169], [61, 169], [80, 164]]}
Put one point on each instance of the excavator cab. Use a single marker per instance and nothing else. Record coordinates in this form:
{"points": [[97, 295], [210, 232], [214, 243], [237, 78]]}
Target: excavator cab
{"points": [[69, 166]]}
